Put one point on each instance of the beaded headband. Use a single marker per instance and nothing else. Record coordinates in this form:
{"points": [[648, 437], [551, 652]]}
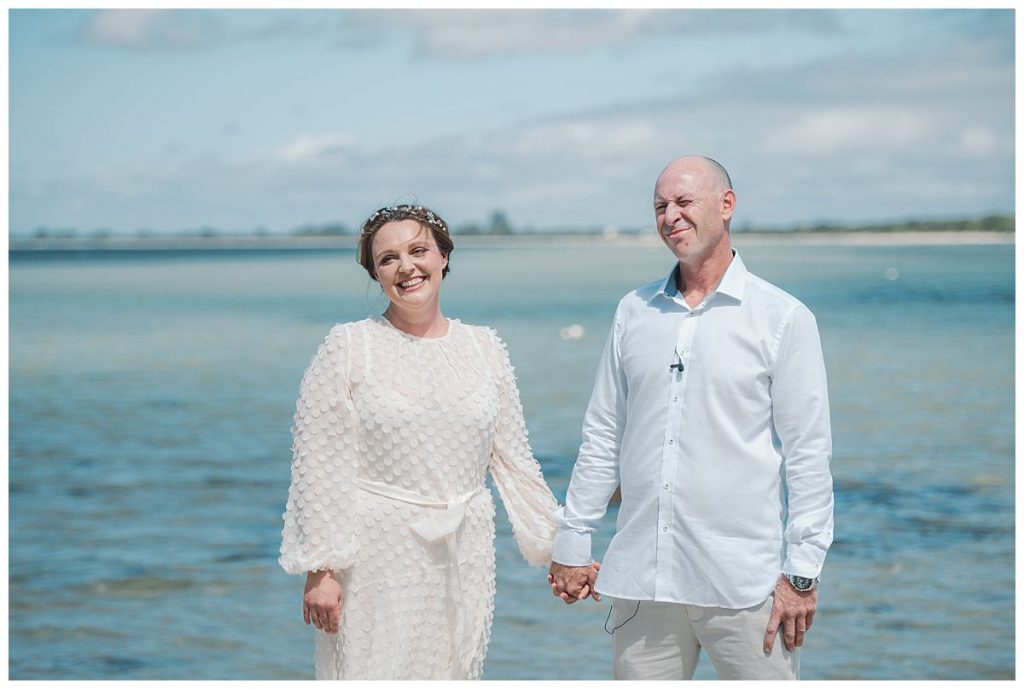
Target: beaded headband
{"points": [[416, 213]]}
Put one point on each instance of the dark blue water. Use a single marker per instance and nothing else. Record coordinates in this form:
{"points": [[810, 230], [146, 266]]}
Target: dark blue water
{"points": [[151, 395]]}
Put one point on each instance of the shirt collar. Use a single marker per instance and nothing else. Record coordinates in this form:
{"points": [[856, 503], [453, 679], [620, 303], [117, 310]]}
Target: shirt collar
{"points": [[731, 284]]}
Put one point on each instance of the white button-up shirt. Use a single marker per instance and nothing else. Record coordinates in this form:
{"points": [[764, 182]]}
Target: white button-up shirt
{"points": [[714, 420]]}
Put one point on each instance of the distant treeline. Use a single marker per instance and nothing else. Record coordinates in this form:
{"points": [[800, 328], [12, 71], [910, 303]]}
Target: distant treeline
{"points": [[498, 224]]}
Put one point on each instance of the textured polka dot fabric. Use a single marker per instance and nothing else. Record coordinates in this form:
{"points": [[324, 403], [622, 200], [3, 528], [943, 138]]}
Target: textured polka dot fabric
{"points": [[393, 437]]}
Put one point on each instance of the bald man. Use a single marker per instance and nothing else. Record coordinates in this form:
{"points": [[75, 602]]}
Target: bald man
{"points": [[710, 412]]}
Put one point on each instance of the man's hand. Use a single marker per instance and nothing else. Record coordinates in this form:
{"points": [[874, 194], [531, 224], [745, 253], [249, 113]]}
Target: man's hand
{"points": [[322, 601], [794, 610], [573, 583]]}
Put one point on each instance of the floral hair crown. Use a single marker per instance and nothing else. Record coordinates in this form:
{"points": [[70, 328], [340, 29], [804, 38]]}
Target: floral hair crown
{"points": [[403, 211]]}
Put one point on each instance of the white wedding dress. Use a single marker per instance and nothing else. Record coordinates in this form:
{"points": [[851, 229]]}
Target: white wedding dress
{"points": [[393, 437]]}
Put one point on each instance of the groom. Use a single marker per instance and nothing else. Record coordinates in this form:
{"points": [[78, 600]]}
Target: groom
{"points": [[710, 411]]}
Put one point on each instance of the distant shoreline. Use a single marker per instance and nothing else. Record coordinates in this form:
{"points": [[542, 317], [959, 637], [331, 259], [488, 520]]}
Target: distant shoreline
{"points": [[868, 238], [347, 242]]}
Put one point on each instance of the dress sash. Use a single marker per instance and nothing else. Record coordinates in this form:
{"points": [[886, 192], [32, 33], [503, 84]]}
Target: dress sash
{"points": [[445, 525]]}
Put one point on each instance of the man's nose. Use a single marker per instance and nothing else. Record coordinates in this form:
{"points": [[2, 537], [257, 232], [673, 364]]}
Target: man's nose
{"points": [[672, 213]]}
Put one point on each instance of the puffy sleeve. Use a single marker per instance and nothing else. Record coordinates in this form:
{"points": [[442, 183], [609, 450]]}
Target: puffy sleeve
{"points": [[316, 534], [517, 475]]}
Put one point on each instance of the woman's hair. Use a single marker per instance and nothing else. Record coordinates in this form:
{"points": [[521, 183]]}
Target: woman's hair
{"points": [[427, 219]]}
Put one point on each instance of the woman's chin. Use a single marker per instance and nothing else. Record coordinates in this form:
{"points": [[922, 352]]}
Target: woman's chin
{"points": [[413, 299]]}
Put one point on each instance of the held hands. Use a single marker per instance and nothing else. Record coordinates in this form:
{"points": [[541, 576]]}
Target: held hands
{"points": [[794, 610], [322, 601], [573, 583]]}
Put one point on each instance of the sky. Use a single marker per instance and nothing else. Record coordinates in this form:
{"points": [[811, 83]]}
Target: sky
{"points": [[173, 120]]}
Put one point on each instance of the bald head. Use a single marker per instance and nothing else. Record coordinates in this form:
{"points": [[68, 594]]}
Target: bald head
{"points": [[693, 204], [714, 175]]}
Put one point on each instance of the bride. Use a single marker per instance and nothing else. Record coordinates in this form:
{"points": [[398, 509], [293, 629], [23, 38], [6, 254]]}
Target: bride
{"points": [[399, 419]]}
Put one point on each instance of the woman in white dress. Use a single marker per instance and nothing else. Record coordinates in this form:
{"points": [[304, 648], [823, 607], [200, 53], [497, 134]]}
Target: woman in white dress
{"points": [[399, 419]]}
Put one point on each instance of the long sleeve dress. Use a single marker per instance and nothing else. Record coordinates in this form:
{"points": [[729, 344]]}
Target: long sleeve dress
{"points": [[393, 437]]}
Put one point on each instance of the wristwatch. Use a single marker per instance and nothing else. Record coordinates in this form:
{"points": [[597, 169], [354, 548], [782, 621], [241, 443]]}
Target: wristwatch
{"points": [[802, 584]]}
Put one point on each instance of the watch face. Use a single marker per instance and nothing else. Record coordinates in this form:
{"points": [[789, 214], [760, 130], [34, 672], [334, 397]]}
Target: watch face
{"points": [[801, 583]]}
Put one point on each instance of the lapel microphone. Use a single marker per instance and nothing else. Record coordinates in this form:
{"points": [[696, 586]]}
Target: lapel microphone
{"points": [[678, 366]]}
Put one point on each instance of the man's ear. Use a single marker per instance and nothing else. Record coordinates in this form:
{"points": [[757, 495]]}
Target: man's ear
{"points": [[728, 204]]}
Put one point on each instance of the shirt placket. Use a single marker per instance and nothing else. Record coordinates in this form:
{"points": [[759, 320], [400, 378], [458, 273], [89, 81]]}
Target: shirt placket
{"points": [[665, 576]]}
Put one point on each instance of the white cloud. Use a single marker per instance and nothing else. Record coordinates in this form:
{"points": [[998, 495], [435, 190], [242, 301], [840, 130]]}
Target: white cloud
{"points": [[829, 131], [294, 25], [151, 29], [470, 34], [585, 137], [977, 141], [309, 148]]}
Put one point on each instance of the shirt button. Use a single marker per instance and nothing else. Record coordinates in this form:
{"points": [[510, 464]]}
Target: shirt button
{"points": [[666, 486], [675, 399], [670, 441], [664, 528]]}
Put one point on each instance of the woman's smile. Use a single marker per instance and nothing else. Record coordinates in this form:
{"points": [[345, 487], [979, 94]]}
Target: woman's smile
{"points": [[412, 283]]}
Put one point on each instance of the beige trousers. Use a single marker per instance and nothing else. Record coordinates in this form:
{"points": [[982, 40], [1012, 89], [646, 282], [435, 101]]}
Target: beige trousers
{"points": [[663, 641]]}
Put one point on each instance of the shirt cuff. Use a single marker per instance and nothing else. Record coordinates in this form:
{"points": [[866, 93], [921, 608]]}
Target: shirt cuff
{"points": [[803, 560], [571, 548]]}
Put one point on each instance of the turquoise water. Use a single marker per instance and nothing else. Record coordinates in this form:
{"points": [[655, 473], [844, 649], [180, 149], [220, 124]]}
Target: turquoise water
{"points": [[151, 395]]}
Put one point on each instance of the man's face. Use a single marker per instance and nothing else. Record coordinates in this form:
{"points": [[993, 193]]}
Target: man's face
{"points": [[690, 213]]}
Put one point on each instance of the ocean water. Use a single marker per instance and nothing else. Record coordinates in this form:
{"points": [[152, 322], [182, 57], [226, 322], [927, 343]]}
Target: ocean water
{"points": [[151, 396]]}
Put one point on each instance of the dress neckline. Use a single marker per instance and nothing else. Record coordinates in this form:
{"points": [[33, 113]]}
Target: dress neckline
{"points": [[381, 320]]}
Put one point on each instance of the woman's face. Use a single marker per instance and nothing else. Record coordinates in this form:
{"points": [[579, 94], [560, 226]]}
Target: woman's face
{"points": [[408, 264]]}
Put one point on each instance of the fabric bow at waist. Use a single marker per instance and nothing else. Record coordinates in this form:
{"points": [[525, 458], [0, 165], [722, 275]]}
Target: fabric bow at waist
{"points": [[445, 525]]}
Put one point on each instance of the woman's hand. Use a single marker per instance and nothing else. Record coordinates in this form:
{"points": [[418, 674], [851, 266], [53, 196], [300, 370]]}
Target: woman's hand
{"points": [[322, 601], [574, 583]]}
